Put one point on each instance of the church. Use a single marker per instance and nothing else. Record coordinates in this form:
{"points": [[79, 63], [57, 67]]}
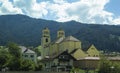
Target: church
{"points": [[60, 54]]}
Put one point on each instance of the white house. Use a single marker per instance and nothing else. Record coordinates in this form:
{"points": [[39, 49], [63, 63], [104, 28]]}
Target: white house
{"points": [[28, 54]]}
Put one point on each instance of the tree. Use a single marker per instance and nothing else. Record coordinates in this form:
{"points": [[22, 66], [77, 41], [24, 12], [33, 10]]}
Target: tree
{"points": [[107, 66], [38, 51], [27, 65], [104, 67], [4, 57], [39, 66], [115, 68], [14, 50], [14, 64]]}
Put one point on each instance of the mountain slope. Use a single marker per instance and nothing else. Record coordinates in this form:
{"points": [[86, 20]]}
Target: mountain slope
{"points": [[27, 31]]}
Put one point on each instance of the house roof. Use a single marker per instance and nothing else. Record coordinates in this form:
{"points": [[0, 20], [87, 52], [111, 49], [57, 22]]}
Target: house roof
{"points": [[22, 48], [29, 51], [26, 50], [64, 53]]}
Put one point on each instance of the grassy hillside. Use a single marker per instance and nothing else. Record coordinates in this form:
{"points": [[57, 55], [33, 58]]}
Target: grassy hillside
{"points": [[27, 31]]}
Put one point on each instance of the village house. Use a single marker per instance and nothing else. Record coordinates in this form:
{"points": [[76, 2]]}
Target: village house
{"points": [[28, 54]]}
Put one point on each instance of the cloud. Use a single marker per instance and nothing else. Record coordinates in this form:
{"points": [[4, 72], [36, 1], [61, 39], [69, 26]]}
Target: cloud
{"points": [[116, 21], [59, 1], [86, 11], [8, 8], [32, 8]]}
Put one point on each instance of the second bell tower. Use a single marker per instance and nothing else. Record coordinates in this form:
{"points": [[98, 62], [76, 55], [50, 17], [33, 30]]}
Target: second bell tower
{"points": [[60, 33]]}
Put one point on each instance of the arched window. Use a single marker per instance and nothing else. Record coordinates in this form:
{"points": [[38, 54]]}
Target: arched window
{"points": [[46, 40]]}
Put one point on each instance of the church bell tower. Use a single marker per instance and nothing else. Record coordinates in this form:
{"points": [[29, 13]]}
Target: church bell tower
{"points": [[45, 40], [60, 33]]}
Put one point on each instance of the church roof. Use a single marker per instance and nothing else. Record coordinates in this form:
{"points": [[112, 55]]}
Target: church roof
{"points": [[62, 39], [59, 40], [73, 51], [71, 38], [91, 47]]}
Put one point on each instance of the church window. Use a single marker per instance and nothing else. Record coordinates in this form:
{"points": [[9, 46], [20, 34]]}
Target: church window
{"points": [[46, 40]]}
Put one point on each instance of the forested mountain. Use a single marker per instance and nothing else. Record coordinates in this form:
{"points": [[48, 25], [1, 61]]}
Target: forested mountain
{"points": [[26, 31]]}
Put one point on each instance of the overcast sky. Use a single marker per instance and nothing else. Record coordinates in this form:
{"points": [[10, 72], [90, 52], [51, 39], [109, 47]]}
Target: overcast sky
{"points": [[85, 11]]}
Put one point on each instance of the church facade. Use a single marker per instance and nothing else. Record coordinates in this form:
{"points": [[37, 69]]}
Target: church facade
{"points": [[50, 50]]}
